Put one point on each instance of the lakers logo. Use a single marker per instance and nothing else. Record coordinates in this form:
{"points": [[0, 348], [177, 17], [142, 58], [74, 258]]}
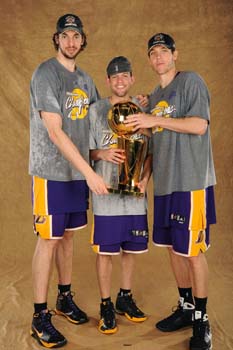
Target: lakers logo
{"points": [[39, 219], [78, 102], [162, 109], [201, 236]]}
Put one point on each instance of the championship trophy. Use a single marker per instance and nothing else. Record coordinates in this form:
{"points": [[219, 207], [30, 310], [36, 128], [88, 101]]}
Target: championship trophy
{"points": [[134, 146]]}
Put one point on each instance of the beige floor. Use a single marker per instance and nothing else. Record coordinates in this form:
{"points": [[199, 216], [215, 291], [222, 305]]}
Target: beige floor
{"points": [[203, 31]]}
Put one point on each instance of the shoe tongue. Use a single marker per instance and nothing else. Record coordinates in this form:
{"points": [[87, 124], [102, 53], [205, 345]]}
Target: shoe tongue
{"points": [[198, 315]]}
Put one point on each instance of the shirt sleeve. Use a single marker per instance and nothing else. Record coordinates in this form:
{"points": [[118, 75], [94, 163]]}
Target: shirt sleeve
{"points": [[92, 133], [45, 89], [197, 97]]}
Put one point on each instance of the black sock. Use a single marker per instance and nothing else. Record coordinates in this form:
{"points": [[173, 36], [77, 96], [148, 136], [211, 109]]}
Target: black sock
{"points": [[124, 291], [200, 305], [38, 307], [186, 293], [64, 288], [105, 300]]}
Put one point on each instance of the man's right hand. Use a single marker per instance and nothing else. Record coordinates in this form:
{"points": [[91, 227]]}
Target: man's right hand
{"points": [[96, 184]]}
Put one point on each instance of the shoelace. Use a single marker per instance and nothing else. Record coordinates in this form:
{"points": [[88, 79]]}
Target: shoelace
{"points": [[46, 318], [199, 329], [132, 303], [108, 313], [71, 303]]}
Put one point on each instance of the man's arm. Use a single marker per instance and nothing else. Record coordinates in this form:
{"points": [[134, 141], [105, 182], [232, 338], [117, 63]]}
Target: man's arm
{"points": [[53, 124], [188, 125], [147, 169], [114, 155]]}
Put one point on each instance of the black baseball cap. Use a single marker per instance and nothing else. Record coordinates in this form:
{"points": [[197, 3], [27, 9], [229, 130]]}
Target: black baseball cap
{"points": [[69, 22], [118, 64], [161, 39]]}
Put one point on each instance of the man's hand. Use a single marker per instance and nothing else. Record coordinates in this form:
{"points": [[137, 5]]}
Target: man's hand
{"points": [[141, 121], [96, 184], [114, 155], [143, 100]]}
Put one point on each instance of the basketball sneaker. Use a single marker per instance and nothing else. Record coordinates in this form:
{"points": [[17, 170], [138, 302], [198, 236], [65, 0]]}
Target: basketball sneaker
{"points": [[66, 307], [125, 305], [107, 322], [44, 332], [181, 317], [202, 338]]}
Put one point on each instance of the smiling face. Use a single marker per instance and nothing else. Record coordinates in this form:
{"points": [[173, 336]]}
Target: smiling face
{"points": [[69, 44], [162, 59], [120, 84]]}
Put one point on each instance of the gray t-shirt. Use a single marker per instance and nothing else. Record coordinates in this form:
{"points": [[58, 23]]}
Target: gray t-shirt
{"points": [[182, 162], [102, 137], [55, 89]]}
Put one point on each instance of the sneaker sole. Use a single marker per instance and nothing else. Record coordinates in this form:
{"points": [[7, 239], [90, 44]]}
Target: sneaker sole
{"points": [[132, 319], [59, 313], [166, 330], [107, 331], [34, 334], [211, 347]]}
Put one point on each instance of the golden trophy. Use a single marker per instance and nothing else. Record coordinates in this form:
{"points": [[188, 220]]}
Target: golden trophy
{"points": [[134, 145]]}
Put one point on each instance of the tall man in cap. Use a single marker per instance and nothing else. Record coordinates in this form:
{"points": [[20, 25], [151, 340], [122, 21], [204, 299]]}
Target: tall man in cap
{"points": [[120, 221], [61, 94], [184, 177]]}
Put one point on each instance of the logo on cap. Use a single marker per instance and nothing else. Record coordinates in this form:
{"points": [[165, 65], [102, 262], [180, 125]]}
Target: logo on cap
{"points": [[70, 21]]}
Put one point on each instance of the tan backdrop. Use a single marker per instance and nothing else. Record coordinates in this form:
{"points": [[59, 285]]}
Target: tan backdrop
{"points": [[203, 33]]}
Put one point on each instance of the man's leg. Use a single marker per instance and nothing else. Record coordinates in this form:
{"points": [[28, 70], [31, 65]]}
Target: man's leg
{"points": [[181, 269], [64, 258], [41, 267], [65, 305], [125, 305], [127, 269], [201, 339], [182, 316], [107, 323], [104, 274], [199, 272], [42, 329]]}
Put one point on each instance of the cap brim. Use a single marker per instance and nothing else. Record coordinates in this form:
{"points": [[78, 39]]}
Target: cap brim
{"points": [[75, 29], [159, 44]]}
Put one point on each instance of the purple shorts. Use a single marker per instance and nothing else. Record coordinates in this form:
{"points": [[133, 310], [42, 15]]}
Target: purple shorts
{"points": [[182, 220], [54, 226], [58, 197], [111, 234], [58, 206]]}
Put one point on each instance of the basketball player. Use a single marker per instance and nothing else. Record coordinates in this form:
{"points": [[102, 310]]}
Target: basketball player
{"points": [[184, 177], [120, 221], [61, 93]]}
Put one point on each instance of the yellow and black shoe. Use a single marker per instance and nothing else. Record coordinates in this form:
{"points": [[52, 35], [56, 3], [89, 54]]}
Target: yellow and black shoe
{"points": [[44, 332], [107, 322], [66, 307], [125, 305]]}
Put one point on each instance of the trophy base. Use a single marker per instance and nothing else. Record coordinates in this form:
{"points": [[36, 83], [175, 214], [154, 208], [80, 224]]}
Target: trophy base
{"points": [[126, 192]]}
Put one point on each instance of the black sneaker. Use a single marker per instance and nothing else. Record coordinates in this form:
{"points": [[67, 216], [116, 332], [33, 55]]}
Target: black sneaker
{"points": [[66, 307], [107, 322], [201, 339], [44, 332], [125, 305], [180, 318]]}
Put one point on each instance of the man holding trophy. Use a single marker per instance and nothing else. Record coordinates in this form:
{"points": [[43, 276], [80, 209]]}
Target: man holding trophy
{"points": [[120, 225]]}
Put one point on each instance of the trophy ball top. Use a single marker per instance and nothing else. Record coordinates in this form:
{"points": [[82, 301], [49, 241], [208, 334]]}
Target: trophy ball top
{"points": [[118, 114]]}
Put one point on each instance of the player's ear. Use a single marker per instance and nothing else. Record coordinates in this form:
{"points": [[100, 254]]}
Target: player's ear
{"points": [[175, 55], [56, 38], [107, 81]]}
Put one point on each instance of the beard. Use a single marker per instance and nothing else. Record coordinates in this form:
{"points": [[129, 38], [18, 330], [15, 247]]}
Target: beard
{"points": [[71, 56]]}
